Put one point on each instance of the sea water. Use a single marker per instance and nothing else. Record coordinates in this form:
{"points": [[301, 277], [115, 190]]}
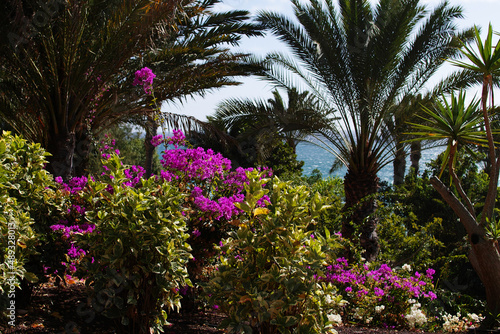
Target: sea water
{"points": [[315, 157]]}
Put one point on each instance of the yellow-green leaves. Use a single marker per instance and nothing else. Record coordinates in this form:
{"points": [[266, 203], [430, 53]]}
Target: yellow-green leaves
{"points": [[266, 274]]}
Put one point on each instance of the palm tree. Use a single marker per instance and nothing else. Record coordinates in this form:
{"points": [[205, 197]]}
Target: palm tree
{"points": [[73, 78], [363, 61], [264, 122], [484, 254], [62, 77]]}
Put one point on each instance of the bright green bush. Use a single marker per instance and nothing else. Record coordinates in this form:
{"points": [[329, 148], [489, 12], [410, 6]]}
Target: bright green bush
{"points": [[27, 201], [136, 258], [403, 239], [266, 281]]}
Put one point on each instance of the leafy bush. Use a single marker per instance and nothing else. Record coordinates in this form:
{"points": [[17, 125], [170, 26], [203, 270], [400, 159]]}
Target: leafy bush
{"points": [[403, 239], [117, 221], [131, 246], [27, 202], [266, 281]]}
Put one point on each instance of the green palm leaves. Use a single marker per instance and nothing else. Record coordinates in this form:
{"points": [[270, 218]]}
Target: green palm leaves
{"points": [[267, 121], [362, 60], [456, 123], [486, 59]]}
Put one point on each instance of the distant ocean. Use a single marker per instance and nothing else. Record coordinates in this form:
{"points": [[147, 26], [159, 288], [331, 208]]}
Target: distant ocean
{"points": [[315, 157]]}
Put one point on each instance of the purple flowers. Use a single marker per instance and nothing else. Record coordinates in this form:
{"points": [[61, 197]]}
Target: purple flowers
{"points": [[145, 78], [157, 140], [382, 282], [195, 163]]}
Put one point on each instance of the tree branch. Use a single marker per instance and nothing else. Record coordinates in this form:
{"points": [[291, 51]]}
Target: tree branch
{"points": [[467, 219]]}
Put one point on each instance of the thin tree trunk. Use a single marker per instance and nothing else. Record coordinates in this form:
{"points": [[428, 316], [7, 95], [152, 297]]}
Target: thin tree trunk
{"points": [[151, 130], [399, 164], [359, 208], [415, 156]]}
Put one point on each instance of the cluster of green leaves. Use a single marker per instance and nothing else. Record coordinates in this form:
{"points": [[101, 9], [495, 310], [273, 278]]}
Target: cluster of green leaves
{"points": [[332, 190], [404, 239], [283, 160], [136, 262], [129, 141], [27, 201], [266, 280], [417, 227]]}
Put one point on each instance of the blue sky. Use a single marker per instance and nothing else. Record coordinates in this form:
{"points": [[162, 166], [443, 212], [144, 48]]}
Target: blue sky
{"points": [[476, 12]]}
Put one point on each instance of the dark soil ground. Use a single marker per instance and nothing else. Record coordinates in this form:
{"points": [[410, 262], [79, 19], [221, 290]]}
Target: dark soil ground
{"points": [[61, 310]]}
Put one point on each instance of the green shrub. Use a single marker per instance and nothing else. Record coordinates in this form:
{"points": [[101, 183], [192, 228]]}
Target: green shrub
{"points": [[27, 203], [135, 260], [403, 239], [266, 281]]}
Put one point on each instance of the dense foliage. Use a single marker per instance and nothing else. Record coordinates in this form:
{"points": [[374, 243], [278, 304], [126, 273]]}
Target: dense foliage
{"points": [[266, 280], [28, 202], [261, 250]]}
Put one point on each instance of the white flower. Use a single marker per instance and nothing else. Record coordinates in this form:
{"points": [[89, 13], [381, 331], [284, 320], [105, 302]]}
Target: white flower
{"points": [[336, 319], [380, 308], [416, 317], [406, 267]]}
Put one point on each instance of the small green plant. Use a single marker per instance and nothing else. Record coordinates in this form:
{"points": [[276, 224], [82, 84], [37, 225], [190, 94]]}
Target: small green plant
{"points": [[267, 279], [136, 258]]}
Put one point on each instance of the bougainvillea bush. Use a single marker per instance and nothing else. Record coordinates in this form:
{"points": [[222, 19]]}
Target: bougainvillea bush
{"points": [[265, 282], [139, 236], [212, 187], [128, 240], [382, 296]]}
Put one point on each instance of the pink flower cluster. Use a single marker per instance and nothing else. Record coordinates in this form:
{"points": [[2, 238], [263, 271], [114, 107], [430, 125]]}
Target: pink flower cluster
{"points": [[178, 139], [74, 185], [145, 78], [134, 174], [195, 164], [222, 207], [69, 230], [157, 140], [383, 282]]}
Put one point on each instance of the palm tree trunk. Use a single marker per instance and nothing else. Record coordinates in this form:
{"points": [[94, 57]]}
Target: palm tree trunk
{"points": [[82, 151], [359, 207], [415, 155], [399, 164], [62, 148]]}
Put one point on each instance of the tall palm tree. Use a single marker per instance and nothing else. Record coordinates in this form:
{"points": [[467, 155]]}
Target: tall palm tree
{"points": [[484, 254], [73, 77], [62, 77], [363, 60]]}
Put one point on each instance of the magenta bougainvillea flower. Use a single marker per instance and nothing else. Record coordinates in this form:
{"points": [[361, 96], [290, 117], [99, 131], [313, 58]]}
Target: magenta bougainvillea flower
{"points": [[145, 78]]}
